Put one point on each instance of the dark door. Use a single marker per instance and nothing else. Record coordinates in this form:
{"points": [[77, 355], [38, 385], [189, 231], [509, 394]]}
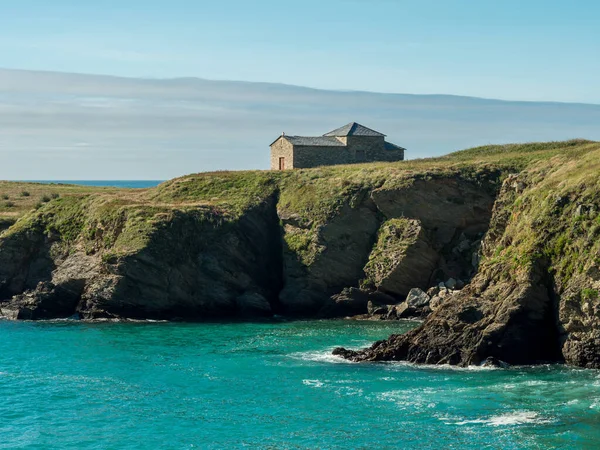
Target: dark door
{"points": [[281, 163]]}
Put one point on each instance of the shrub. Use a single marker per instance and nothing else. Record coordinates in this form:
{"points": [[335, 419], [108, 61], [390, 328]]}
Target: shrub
{"points": [[45, 198], [55, 195], [25, 194], [589, 294], [5, 197], [9, 204], [38, 205]]}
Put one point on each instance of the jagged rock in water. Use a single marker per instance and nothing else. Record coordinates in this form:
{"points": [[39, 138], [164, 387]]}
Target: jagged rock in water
{"points": [[46, 301], [374, 309], [353, 302], [349, 302], [494, 362]]}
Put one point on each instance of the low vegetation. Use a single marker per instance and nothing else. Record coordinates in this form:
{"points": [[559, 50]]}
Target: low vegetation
{"points": [[122, 219], [26, 197], [393, 239]]}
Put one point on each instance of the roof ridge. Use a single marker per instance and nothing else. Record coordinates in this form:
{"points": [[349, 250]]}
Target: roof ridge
{"points": [[354, 129]]}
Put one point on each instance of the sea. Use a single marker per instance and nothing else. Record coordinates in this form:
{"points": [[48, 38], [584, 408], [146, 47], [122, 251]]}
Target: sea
{"points": [[271, 385]]}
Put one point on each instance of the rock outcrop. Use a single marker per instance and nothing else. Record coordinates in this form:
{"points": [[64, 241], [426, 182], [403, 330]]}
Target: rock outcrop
{"points": [[382, 245], [193, 264], [501, 276], [535, 298]]}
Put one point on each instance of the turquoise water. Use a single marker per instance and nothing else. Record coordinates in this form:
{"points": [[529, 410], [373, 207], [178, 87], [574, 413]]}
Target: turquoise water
{"points": [[272, 386]]}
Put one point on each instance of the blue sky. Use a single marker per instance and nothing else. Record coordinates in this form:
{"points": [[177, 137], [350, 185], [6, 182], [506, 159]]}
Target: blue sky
{"points": [[522, 50]]}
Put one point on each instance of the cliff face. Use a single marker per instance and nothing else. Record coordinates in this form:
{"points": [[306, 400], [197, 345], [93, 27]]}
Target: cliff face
{"points": [[535, 296], [379, 238], [101, 259], [519, 225]]}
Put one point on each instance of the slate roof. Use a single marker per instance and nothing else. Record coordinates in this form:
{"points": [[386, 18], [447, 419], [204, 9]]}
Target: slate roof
{"points": [[320, 141], [353, 129], [390, 146]]}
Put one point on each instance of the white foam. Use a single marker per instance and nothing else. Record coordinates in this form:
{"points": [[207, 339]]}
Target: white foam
{"points": [[508, 419], [442, 367], [350, 391], [313, 383], [535, 383], [322, 356]]}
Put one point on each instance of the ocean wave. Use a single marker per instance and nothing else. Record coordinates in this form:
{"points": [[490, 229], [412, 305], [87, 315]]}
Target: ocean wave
{"points": [[313, 383], [326, 356], [508, 419], [442, 367], [322, 356]]}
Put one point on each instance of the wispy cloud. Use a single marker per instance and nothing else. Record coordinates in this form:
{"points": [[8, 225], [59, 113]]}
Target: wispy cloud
{"points": [[80, 126]]}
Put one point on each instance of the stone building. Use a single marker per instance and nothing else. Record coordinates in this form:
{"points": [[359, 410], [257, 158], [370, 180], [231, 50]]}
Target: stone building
{"points": [[352, 143]]}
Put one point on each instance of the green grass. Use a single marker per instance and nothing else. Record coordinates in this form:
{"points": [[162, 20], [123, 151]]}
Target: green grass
{"points": [[589, 294], [26, 196], [234, 191], [121, 221], [546, 225]]}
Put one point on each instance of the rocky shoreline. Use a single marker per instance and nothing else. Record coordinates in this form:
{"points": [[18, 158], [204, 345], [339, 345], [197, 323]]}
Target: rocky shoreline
{"points": [[501, 262]]}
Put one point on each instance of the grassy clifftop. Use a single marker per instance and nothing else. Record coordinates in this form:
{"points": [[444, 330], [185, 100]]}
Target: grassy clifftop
{"points": [[199, 244], [311, 194]]}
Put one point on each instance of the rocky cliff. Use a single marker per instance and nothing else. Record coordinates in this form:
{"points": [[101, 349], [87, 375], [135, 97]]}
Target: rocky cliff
{"points": [[535, 296], [517, 226]]}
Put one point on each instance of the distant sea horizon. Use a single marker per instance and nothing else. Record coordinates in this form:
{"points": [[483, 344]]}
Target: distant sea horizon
{"points": [[135, 184]]}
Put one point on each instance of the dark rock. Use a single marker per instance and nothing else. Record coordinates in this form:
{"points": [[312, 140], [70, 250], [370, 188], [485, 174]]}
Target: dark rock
{"points": [[392, 313], [381, 298], [404, 260], [451, 283], [374, 310], [252, 304], [46, 301], [346, 354], [346, 240], [494, 362], [417, 298], [433, 291], [349, 302], [405, 311]]}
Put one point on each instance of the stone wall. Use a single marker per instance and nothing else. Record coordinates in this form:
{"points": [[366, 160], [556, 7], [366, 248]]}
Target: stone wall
{"points": [[389, 155], [315, 156], [365, 148], [282, 149], [357, 149]]}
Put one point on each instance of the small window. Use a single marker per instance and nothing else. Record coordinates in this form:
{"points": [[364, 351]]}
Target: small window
{"points": [[281, 163]]}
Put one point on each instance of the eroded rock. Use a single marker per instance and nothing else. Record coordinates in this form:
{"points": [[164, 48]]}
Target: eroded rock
{"points": [[417, 298]]}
